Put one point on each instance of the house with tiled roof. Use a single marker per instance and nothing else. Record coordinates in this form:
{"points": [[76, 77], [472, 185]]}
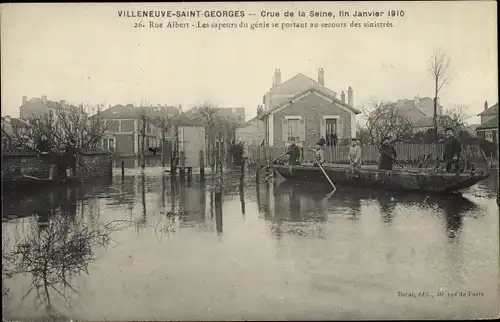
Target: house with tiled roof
{"points": [[488, 129], [305, 109], [11, 127], [124, 123], [40, 106], [419, 111], [252, 132]]}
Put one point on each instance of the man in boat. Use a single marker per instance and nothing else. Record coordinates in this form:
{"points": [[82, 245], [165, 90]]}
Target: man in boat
{"points": [[452, 150], [333, 139], [293, 153], [321, 141], [354, 155], [387, 154]]}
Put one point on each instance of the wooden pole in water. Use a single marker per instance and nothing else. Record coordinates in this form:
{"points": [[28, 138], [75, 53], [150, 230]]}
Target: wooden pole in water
{"points": [[123, 167], [143, 140], [163, 146], [324, 172], [182, 161], [202, 165]]}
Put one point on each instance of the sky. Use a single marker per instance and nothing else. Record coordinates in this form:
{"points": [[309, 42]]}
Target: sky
{"points": [[85, 53]]}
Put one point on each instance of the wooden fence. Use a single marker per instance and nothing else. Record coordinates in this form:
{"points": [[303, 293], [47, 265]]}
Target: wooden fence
{"points": [[407, 154]]}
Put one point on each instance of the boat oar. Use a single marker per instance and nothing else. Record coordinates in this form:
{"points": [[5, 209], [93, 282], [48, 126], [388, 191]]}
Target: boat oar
{"points": [[396, 161], [324, 172]]}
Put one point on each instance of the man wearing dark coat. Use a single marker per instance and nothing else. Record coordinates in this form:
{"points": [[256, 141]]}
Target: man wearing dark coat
{"points": [[452, 150], [293, 152], [387, 155], [321, 141], [43, 145], [71, 152], [333, 139]]}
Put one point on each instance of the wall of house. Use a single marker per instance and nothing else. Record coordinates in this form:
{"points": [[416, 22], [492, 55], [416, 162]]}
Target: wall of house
{"points": [[489, 135], [252, 133], [28, 110], [486, 118], [91, 164], [414, 115], [124, 143], [128, 138], [312, 108]]}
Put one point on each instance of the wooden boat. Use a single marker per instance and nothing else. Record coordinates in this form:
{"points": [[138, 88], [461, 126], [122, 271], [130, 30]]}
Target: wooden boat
{"points": [[415, 180], [26, 182]]}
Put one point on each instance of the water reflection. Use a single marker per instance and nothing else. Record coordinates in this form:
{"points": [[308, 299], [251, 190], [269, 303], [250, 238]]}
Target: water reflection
{"points": [[298, 203], [58, 246], [305, 242]]}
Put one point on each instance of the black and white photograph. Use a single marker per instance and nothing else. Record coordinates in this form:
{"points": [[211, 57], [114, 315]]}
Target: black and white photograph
{"points": [[235, 161]]}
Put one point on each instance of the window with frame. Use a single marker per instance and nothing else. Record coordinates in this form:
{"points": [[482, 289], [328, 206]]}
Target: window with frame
{"points": [[488, 135], [293, 129]]}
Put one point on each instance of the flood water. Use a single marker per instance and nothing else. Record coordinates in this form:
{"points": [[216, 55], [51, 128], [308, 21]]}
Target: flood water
{"points": [[144, 248]]}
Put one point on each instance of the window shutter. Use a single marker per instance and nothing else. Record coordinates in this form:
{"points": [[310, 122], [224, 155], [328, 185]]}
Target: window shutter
{"points": [[284, 130], [322, 128], [340, 129], [302, 131]]}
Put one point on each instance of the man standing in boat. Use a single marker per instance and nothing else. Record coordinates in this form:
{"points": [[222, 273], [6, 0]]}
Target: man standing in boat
{"points": [[387, 154], [354, 155], [293, 153], [320, 155], [452, 150]]}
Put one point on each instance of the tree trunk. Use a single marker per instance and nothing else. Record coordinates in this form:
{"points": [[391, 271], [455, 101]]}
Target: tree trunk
{"points": [[435, 111]]}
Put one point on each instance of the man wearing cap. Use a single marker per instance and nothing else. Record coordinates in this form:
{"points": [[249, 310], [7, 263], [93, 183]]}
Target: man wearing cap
{"points": [[452, 150], [387, 154], [293, 152]]}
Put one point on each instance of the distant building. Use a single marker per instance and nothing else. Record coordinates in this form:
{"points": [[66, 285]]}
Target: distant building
{"points": [[488, 113], [124, 123], [488, 129], [10, 127], [38, 107], [252, 132], [235, 114], [304, 109]]}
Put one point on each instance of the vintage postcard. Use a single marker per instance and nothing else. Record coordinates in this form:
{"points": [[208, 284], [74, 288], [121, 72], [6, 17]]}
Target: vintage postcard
{"points": [[250, 161]]}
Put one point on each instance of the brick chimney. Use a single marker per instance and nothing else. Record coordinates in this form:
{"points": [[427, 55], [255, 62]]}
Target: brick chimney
{"points": [[321, 77], [342, 97], [350, 99], [416, 100], [25, 99], [485, 105], [277, 77], [44, 98]]}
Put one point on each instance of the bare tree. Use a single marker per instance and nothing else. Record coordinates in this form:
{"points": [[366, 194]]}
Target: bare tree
{"points": [[384, 119], [455, 117], [79, 124], [217, 127], [161, 119], [438, 69]]}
